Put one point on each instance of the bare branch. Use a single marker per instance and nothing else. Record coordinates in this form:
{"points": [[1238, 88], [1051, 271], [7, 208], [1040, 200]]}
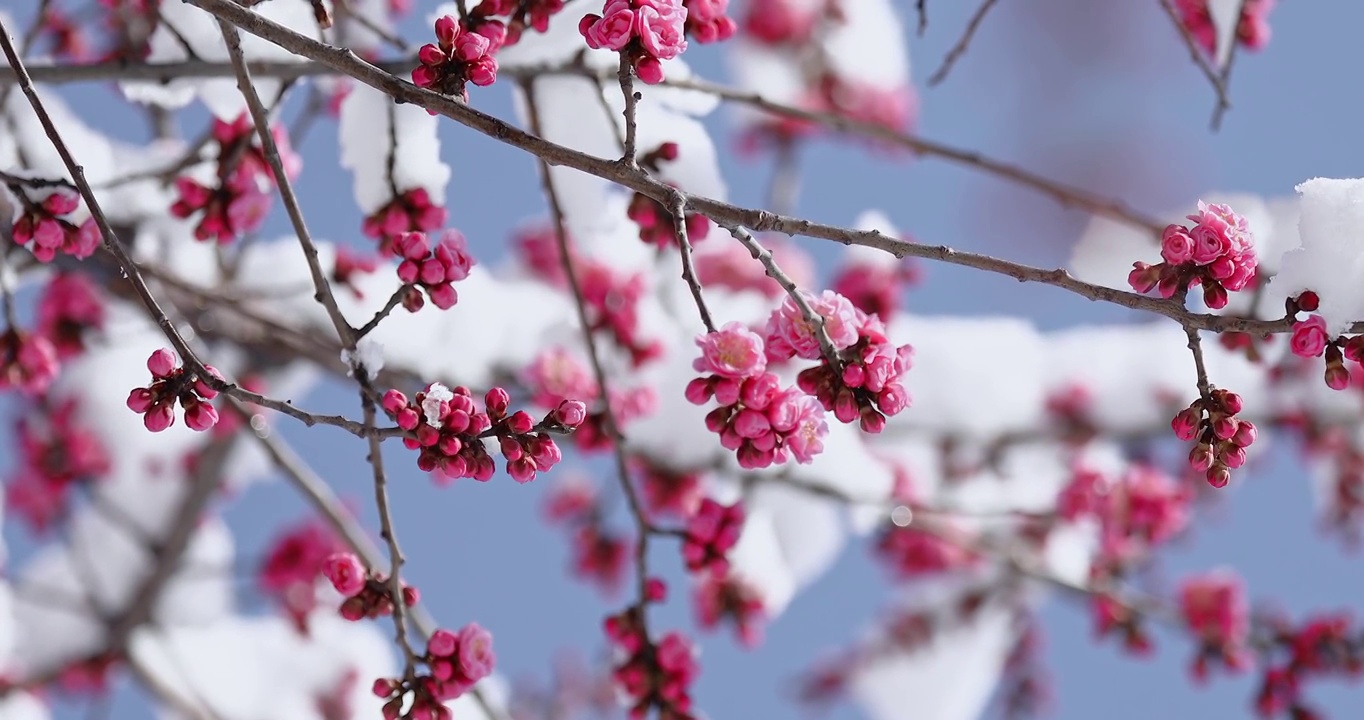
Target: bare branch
{"points": [[627, 88], [1217, 80], [609, 421], [261, 119], [679, 213], [965, 41]]}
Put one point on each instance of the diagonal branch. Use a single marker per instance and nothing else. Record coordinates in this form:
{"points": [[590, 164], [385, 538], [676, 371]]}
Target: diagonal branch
{"points": [[610, 423], [261, 120], [965, 41]]}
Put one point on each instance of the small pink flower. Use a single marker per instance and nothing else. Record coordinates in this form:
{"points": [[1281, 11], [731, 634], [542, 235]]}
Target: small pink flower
{"points": [[660, 29], [614, 30], [1309, 337], [733, 351], [476, 656]]}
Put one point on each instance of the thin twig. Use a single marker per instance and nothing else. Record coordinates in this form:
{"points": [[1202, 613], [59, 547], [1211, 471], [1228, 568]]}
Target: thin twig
{"points": [[610, 423], [1200, 59], [812, 318], [1225, 75], [962, 43], [129, 268], [679, 213], [723, 213], [386, 531], [1066, 195], [324, 294], [394, 301], [330, 507], [1196, 347]]}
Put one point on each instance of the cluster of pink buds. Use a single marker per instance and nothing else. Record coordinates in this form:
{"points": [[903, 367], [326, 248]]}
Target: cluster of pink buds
{"points": [[729, 265], [909, 552], [653, 676], [235, 207], [67, 40], [613, 300], [719, 598], [28, 362], [411, 211], [657, 226], [707, 21], [448, 429], [348, 265], [1322, 647], [1112, 616], [875, 287], [667, 491], [68, 310], [644, 31], [56, 454], [238, 202], [761, 422], [292, 564], [459, 56], [711, 533], [457, 661], [156, 402], [599, 555], [1218, 252], [782, 22], [45, 225], [863, 382], [1310, 339], [556, 375], [367, 595], [432, 269], [1221, 437], [1252, 29], [612, 297], [520, 15], [1216, 611]]}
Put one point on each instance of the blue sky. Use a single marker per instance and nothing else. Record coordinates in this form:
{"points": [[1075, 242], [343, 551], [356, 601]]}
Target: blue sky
{"points": [[1097, 95]]}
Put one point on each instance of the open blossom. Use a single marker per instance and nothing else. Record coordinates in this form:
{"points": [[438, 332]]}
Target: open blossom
{"points": [[863, 380], [733, 351], [789, 333], [647, 31]]}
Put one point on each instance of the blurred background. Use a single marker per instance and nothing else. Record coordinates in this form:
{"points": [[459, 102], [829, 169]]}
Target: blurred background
{"points": [[1098, 95]]}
